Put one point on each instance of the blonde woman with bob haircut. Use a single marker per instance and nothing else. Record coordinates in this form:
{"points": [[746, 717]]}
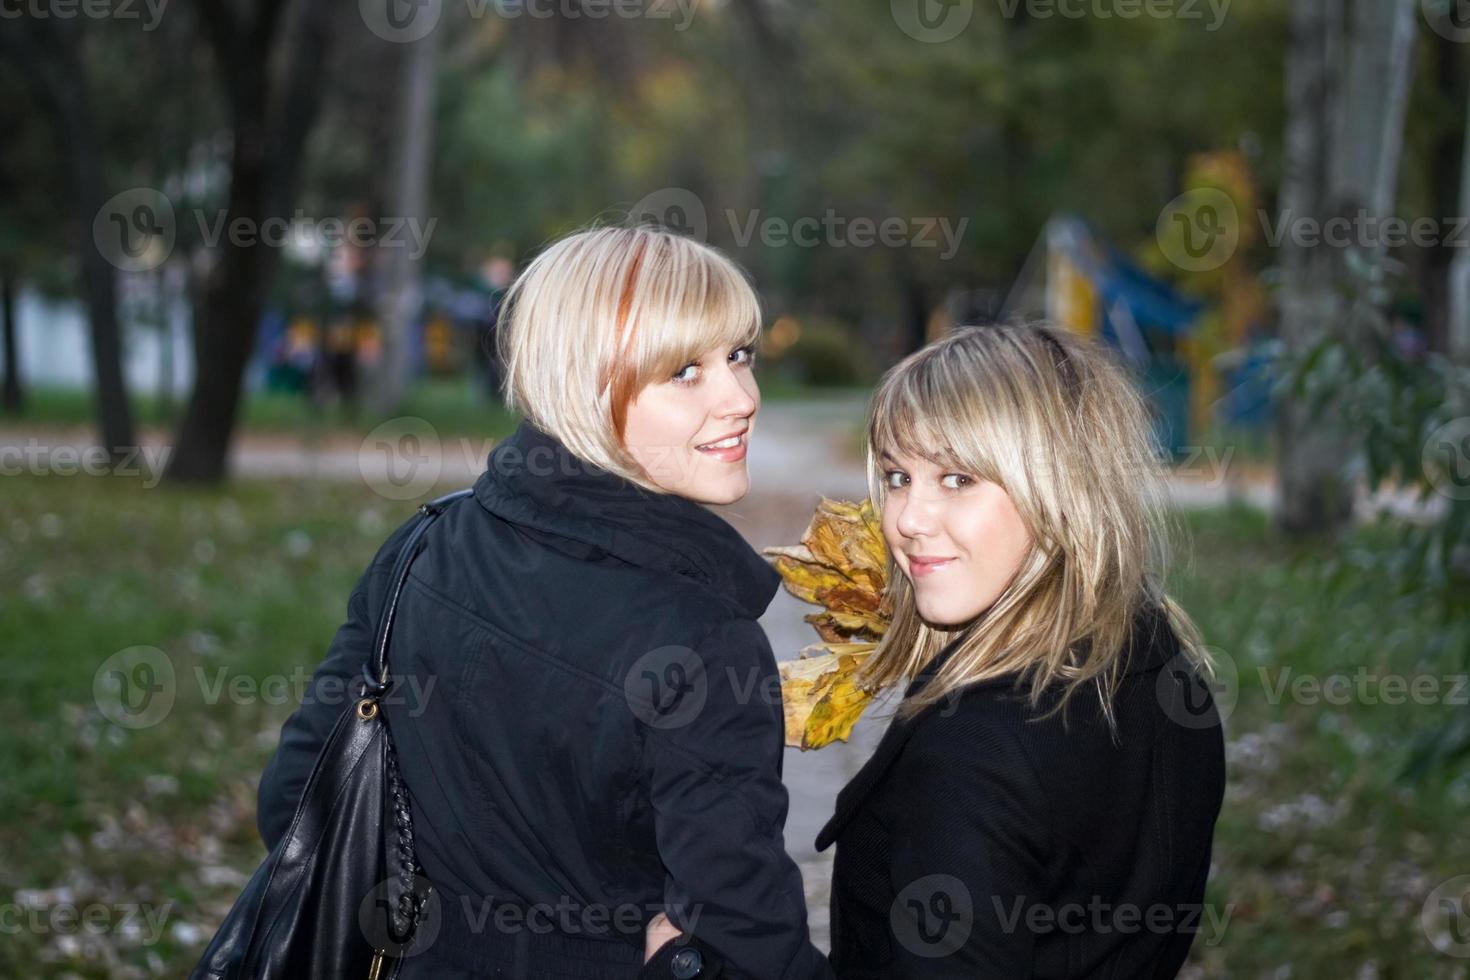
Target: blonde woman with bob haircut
{"points": [[1044, 802], [593, 768]]}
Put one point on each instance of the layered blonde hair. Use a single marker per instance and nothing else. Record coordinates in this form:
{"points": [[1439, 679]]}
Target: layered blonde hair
{"points": [[601, 313], [1057, 423]]}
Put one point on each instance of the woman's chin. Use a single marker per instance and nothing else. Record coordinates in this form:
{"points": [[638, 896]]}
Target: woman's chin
{"points": [[728, 490]]}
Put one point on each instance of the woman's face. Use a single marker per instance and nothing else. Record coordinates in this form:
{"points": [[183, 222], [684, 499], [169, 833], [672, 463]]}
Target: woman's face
{"points": [[958, 539], [690, 432]]}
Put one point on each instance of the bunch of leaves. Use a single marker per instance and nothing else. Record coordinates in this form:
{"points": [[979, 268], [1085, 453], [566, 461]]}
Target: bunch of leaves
{"points": [[1408, 409], [840, 565]]}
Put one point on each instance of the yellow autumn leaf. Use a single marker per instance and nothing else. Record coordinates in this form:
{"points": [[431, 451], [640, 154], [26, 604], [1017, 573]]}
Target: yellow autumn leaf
{"points": [[820, 698], [840, 565]]}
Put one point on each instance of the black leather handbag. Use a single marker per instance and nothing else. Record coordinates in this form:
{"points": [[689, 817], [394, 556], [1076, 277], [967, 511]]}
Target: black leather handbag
{"points": [[340, 896]]}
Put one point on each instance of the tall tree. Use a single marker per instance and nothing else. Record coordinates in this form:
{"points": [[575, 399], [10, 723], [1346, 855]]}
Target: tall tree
{"points": [[49, 51], [1344, 138], [408, 200], [271, 113]]}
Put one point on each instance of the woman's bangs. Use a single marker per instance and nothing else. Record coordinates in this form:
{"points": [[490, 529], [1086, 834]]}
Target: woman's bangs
{"points": [[704, 305], [917, 416]]}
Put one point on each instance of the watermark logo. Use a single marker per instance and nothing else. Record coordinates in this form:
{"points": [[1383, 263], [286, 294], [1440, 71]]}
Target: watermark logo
{"points": [[401, 459], [135, 230], [932, 21], [675, 209], [933, 916], [1193, 699], [667, 687], [1199, 230], [40, 913], [1445, 917], [148, 11], [400, 21], [1446, 458], [679, 210], [375, 918], [135, 688], [1450, 19]]}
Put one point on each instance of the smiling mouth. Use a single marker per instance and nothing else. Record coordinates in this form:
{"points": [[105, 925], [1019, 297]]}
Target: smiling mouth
{"points": [[729, 443], [919, 567]]}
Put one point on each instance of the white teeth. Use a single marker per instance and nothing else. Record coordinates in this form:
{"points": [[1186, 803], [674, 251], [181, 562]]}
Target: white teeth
{"points": [[729, 443]]}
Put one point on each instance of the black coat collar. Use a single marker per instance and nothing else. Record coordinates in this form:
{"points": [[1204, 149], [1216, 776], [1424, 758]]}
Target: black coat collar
{"points": [[536, 482], [1151, 646]]}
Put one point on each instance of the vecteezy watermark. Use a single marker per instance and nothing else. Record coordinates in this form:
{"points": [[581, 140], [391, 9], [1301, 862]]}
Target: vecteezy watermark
{"points": [[139, 924], [681, 211], [1446, 458], [406, 21], [937, 21], [570, 917], [667, 687], [1213, 12], [37, 459], [376, 920], [1364, 687], [401, 459], [1200, 230], [135, 688], [932, 21], [136, 230], [1445, 917], [1363, 230], [932, 916], [1450, 19], [1190, 697], [138, 687], [302, 687], [1097, 917], [150, 12]]}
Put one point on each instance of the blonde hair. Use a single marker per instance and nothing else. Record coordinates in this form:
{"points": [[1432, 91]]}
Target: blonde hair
{"points": [[601, 313], [1054, 421]]}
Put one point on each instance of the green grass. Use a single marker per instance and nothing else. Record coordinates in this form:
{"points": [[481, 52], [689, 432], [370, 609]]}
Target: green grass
{"points": [[1323, 857]]}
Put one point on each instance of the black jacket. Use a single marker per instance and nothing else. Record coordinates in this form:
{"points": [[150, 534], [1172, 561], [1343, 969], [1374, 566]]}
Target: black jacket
{"points": [[589, 722], [980, 842]]}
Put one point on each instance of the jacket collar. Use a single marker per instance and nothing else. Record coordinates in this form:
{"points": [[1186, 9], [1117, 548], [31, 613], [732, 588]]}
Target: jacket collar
{"points": [[534, 481], [1150, 646]]}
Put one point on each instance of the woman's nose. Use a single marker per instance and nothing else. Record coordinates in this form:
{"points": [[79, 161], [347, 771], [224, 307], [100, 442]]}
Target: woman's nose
{"points": [[915, 515], [737, 394]]}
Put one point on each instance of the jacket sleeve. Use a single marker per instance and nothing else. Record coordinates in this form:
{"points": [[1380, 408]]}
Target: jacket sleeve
{"points": [[332, 689], [719, 811], [970, 861]]}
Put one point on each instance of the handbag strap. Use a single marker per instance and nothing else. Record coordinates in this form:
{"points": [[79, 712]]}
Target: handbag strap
{"points": [[405, 903], [375, 671]]}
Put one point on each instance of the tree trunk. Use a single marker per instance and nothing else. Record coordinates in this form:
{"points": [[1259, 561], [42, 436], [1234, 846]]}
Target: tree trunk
{"points": [[1347, 89], [1446, 199], [402, 296], [271, 122], [47, 51], [11, 397], [1458, 333]]}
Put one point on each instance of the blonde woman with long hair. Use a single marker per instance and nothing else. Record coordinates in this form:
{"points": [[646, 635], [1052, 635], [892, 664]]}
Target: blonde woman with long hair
{"points": [[575, 651], [1044, 801]]}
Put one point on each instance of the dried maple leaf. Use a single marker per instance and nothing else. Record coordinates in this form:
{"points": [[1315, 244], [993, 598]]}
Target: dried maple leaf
{"points": [[840, 565]]}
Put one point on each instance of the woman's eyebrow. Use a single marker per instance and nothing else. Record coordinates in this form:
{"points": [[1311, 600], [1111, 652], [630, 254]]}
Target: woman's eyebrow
{"points": [[884, 455]]}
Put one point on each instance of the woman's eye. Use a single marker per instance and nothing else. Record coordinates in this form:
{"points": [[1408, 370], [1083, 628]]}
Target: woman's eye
{"points": [[895, 479], [955, 481], [687, 374], [743, 355]]}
